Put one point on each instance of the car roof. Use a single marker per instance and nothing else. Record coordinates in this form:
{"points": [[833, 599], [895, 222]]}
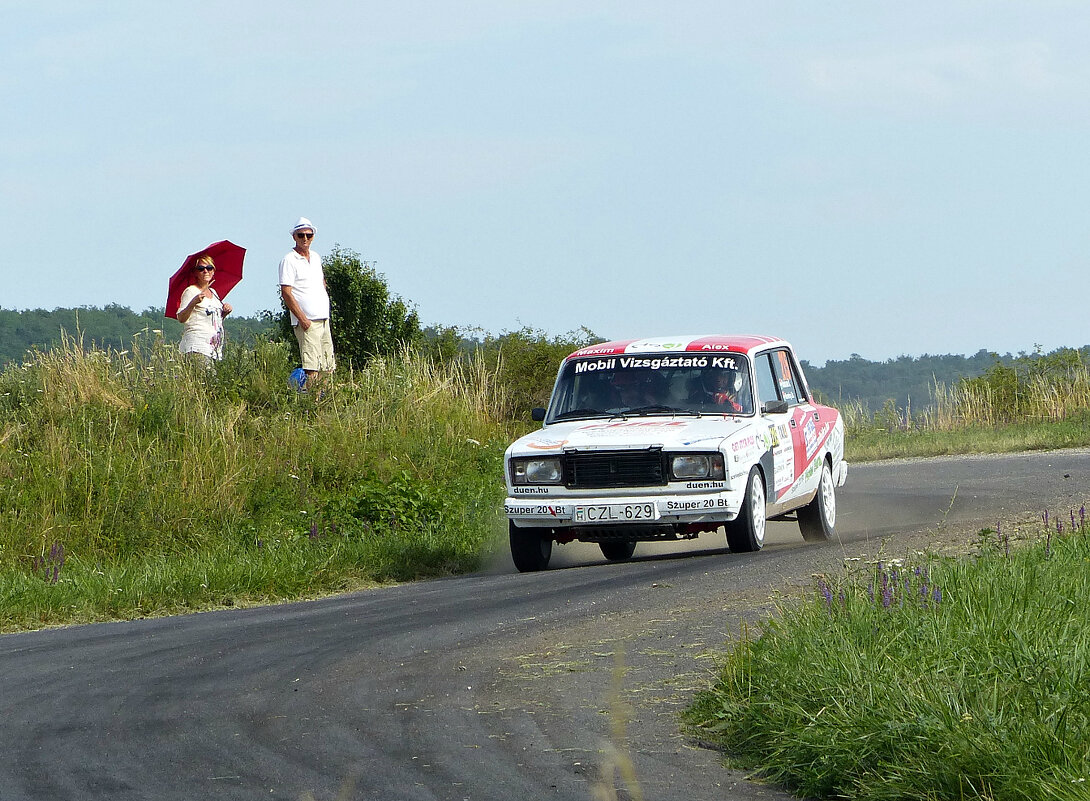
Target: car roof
{"points": [[703, 343]]}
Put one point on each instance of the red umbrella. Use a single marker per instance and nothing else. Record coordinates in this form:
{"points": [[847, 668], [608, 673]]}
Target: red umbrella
{"points": [[228, 258]]}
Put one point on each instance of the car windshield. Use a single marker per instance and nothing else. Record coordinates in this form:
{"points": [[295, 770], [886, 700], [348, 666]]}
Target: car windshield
{"points": [[681, 383]]}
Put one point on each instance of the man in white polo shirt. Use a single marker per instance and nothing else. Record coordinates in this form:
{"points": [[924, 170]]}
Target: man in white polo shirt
{"points": [[302, 286]]}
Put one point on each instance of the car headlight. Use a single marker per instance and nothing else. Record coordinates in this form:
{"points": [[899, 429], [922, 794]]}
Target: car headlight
{"points": [[544, 470], [697, 465]]}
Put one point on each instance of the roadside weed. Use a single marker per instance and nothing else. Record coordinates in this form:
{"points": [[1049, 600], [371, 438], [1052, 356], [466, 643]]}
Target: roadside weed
{"points": [[951, 678]]}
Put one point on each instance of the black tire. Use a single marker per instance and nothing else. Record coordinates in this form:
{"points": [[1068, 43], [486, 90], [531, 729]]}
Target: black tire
{"points": [[617, 550], [530, 551], [746, 532], [817, 520]]}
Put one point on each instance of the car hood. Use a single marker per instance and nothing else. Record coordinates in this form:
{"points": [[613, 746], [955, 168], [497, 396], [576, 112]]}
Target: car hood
{"points": [[689, 433]]}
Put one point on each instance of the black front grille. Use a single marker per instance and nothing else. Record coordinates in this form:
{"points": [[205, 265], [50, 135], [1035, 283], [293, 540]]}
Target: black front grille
{"points": [[601, 469]]}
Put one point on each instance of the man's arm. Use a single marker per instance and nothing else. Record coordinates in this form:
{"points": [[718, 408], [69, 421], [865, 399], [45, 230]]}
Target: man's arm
{"points": [[293, 306]]}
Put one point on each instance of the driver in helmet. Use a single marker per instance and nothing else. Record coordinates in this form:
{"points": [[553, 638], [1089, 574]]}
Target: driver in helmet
{"points": [[727, 388]]}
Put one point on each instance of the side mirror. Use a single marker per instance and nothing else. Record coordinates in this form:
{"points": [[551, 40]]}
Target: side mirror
{"points": [[537, 414], [774, 407]]}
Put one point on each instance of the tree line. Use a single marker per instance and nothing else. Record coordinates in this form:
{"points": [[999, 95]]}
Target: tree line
{"points": [[907, 380]]}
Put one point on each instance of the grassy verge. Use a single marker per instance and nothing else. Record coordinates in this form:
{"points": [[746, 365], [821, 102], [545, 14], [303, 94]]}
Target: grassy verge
{"points": [[1041, 402], [951, 678], [139, 483], [868, 443]]}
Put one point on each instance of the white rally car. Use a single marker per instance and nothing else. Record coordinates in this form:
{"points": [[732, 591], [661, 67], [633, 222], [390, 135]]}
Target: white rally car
{"points": [[668, 438]]}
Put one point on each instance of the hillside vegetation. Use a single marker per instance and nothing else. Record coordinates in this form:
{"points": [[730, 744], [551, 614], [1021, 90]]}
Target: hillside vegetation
{"points": [[1035, 402], [136, 482], [905, 383]]}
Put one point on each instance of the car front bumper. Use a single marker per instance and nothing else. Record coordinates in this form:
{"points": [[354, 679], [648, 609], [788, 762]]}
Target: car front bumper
{"points": [[668, 509]]}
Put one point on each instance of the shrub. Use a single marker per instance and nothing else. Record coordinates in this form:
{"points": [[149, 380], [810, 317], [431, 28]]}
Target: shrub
{"points": [[524, 362], [366, 319]]}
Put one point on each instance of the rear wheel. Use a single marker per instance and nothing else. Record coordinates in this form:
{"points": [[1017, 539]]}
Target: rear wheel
{"points": [[530, 550], [817, 520], [747, 531], [618, 550]]}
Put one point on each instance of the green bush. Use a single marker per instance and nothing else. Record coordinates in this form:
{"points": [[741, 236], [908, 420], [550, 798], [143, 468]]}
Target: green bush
{"points": [[524, 362], [365, 319]]}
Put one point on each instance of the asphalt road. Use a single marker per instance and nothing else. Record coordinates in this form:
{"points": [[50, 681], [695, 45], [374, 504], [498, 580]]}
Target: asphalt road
{"points": [[489, 686]]}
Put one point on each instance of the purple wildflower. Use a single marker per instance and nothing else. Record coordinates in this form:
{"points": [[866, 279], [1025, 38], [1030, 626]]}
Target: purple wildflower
{"points": [[314, 530], [887, 592], [826, 593], [1046, 518], [1082, 516], [1059, 526], [49, 566], [936, 595]]}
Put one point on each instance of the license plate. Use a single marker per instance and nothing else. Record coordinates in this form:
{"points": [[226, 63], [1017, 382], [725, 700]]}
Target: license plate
{"points": [[616, 513]]}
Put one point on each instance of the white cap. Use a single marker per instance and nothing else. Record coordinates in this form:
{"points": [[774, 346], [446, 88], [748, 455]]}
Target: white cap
{"points": [[304, 223]]}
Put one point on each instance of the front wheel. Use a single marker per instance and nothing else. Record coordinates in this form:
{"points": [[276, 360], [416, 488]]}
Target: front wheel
{"points": [[530, 551], [747, 531], [817, 520], [618, 550]]}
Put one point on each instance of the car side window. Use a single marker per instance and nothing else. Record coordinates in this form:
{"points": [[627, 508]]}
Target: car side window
{"points": [[786, 379], [766, 380]]}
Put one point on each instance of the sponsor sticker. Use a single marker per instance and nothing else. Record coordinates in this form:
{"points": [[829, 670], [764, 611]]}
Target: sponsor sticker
{"points": [[535, 510], [809, 434], [744, 442], [547, 444], [714, 503]]}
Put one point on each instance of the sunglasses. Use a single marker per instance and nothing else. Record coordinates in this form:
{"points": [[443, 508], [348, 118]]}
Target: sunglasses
{"points": [[301, 235], [207, 267]]}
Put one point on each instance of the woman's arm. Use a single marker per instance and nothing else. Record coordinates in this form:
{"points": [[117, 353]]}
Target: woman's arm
{"points": [[184, 312]]}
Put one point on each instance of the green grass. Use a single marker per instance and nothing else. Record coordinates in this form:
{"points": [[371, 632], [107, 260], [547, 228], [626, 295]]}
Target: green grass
{"points": [[168, 487], [869, 443], [950, 679]]}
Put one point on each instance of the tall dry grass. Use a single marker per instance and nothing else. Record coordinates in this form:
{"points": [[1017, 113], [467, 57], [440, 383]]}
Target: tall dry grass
{"points": [[1038, 397], [1044, 388], [122, 455]]}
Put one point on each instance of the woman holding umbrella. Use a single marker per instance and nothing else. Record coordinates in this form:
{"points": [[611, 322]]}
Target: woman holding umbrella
{"points": [[201, 311]]}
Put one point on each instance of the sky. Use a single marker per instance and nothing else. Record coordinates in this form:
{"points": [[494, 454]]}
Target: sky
{"points": [[871, 178]]}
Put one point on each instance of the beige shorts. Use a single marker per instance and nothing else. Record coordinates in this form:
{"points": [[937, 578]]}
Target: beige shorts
{"points": [[316, 346]]}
